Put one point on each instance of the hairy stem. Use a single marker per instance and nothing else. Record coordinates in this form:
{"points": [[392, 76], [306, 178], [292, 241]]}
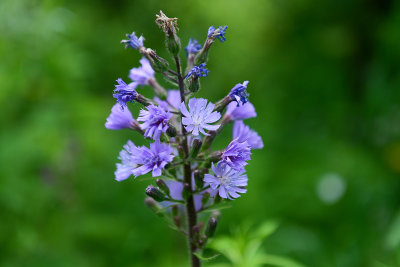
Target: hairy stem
{"points": [[187, 179]]}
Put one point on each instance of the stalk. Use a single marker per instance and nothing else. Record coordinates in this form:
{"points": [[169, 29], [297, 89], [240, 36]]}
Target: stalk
{"points": [[191, 214]]}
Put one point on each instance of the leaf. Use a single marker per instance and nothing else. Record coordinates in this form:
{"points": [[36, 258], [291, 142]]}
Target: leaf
{"points": [[219, 206], [205, 258], [279, 261]]}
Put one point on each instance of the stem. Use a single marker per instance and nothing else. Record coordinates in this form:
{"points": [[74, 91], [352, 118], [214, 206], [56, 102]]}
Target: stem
{"points": [[187, 179]]}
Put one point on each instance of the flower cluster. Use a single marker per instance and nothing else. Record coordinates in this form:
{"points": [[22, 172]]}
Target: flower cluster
{"points": [[180, 129]]}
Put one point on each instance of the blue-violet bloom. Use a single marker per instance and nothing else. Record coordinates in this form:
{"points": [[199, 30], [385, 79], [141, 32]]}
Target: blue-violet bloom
{"points": [[125, 168], [236, 154], [218, 33], [199, 115], [198, 71], [227, 181], [125, 92], [243, 112], [119, 119], [243, 133], [193, 47], [133, 41], [151, 159], [239, 93], [142, 74], [155, 120]]}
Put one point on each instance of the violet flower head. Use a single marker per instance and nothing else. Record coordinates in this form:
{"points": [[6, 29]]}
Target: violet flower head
{"points": [[199, 116], [236, 154], [227, 181], [142, 74], [198, 71], [119, 119], [151, 159], [193, 47], [218, 33], [124, 92], [133, 41], [155, 120], [242, 112], [243, 133], [125, 168], [239, 93]]}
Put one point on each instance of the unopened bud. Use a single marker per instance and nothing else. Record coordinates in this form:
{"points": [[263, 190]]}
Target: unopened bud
{"points": [[153, 205], [194, 84], [171, 131], [155, 193], [181, 152], [163, 186], [196, 145], [157, 63], [211, 227], [205, 198], [186, 191], [198, 179], [177, 221]]}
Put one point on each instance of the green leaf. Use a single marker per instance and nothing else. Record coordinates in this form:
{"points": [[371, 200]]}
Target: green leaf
{"points": [[205, 258], [279, 261]]}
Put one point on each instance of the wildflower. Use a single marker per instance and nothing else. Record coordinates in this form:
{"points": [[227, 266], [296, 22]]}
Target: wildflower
{"points": [[239, 93], [142, 74], [133, 41], [125, 168], [198, 71], [155, 120], [226, 180], [119, 119], [236, 154], [124, 92], [199, 115], [151, 159], [193, 47], [242, 112], [218, 33], [243, 133]]}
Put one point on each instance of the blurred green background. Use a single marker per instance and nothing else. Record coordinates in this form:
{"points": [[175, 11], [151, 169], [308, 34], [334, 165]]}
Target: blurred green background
{"points": [[324, 78]]}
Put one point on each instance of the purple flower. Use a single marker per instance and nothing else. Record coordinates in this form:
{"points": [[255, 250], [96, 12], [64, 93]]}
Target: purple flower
{"points": [[193, 47], [133, 41], [245, 111], [119, 119], [198, 71], [142, 74], [124, 92], [125, 168], [227, 181], [155, 120], [199, 116], [236, 154], [243, 133], [218, 33], [239, 93], [151, 159]]}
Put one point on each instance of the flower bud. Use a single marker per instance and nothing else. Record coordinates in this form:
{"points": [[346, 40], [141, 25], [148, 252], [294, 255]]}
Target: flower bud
{"points": [[196, 145], [181, 152], [205, 198], [186, 191], [198, 179], [194, 84], [171, 131], [153, 205], [163, 186], [157, 63], [155, 193], [211, 227], [177, 221]]}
